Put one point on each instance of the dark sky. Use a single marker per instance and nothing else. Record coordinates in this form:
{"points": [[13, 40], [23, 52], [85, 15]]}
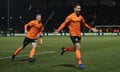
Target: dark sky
{"points": [[20, 7], [16, 7], [27, 8]]}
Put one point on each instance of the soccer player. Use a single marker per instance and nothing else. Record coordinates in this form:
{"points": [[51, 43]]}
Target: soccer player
{"points": [[33, 30], [74, 22]]}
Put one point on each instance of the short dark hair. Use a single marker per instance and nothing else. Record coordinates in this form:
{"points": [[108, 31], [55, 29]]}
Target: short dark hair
{"points": [[37, 14], [76, 5]]}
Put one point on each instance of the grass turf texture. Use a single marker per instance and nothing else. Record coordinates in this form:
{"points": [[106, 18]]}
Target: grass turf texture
{"points": [[99, 53]]}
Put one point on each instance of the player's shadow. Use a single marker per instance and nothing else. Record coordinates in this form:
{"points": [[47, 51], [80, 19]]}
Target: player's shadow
{"points": [[26, 60], [67, 65], [23, 60]]}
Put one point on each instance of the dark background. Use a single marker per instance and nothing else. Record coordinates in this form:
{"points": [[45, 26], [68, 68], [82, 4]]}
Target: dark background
{"points": [[15, 13]]}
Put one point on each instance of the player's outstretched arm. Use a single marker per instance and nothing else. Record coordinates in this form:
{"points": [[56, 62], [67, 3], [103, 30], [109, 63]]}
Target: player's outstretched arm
{"points": [[95, 30], [62, 26], [55, 32], [88, 26]]}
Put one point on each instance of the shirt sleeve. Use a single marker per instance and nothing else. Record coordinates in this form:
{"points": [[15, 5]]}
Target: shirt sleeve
{"points": [[85, 24], [26, 26], [67, 20]]}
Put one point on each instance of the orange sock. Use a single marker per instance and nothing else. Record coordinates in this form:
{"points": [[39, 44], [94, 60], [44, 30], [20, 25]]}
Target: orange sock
{"points": [[78, 56], [71, 49], [41, 41], [32, 52], [17, 51]]}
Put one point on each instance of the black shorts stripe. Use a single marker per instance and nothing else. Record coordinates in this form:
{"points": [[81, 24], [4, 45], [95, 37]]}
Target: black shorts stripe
{"points": [[27, 41], [75, 39]]}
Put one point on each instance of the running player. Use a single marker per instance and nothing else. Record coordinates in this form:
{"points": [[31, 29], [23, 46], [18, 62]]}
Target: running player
{"points": [[74, 22], [33, 30]]}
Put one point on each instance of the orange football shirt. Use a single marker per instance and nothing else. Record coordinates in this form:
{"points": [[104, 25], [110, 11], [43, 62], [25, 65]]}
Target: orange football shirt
{"points": [[74, 24], [36, 28]]}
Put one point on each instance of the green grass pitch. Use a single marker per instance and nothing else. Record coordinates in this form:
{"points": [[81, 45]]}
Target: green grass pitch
{"points": [[99, 53]]}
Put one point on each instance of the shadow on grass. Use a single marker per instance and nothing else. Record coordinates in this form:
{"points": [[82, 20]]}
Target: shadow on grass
{"points": [[24, 60], [67, 65]]}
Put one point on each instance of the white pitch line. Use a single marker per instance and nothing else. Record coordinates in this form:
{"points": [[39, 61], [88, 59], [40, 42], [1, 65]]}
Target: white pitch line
{"points": [[42, 53]]}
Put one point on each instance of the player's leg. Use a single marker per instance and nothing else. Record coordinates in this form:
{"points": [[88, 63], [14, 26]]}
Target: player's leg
{"points": [[18, 50], [71, 48], [32, 52], [78, 56], [25, 43], [76, 49]]}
